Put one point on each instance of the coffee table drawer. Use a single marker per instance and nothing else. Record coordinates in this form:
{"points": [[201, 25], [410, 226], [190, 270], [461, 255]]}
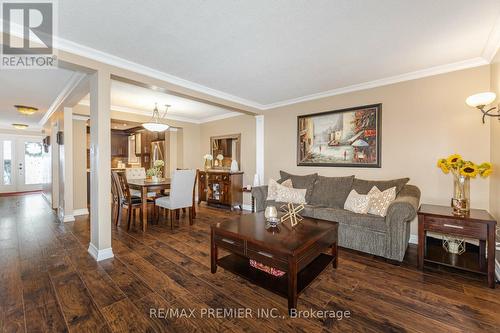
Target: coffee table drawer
{"points": [[456, 227], [230, 243], [267, 257]]}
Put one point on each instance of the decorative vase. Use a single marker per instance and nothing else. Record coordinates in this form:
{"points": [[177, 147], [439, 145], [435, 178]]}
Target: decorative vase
{"points": [[461, 195], [234, 166], [154, 178], [208, 164]]}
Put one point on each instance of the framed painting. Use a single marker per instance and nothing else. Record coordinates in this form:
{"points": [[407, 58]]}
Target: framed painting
{"points": [[341, 138]]}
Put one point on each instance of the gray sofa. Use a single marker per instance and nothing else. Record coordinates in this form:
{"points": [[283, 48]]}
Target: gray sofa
{"points": [[382, 236]]}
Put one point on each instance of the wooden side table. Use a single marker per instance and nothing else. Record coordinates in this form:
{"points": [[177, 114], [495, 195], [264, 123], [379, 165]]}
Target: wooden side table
{"points": [[478, 224]]}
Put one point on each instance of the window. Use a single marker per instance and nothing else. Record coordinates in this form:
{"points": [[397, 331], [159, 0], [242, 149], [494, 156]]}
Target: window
{"points": [[7, 162]]}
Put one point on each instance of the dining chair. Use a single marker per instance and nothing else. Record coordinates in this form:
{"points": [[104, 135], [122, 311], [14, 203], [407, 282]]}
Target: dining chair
{"points": [[115, 203], [127, 201], [138, 173], [181, 194], [194, 195]]}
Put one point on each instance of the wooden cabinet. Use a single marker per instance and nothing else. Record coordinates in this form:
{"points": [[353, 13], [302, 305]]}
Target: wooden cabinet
{"points": [[221, 188], [119, 144]]}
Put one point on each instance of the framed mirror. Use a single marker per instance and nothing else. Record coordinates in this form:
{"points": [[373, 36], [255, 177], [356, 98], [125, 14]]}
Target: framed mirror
{"points": [[227, 147]]}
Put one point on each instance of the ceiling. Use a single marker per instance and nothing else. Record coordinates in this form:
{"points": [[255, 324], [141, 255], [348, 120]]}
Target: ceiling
{"points": [[37, 88], [269, 52], [130, 98]]}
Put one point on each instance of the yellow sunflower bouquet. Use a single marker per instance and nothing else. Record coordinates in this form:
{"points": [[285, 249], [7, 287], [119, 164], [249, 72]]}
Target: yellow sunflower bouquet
{"points": [[460, 167]]}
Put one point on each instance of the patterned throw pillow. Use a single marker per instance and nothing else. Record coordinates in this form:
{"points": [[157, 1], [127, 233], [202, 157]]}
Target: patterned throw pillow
{"points": [[272, 188], [380, 201], [357, 203], [292, 195]]}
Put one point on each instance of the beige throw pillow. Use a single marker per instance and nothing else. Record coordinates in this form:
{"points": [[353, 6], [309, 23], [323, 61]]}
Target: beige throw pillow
{"points": [[357, 203], [292, 195], [380, 201], [272, 188]]}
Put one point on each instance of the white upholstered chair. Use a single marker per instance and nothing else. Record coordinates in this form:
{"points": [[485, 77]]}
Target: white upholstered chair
{"points": [[137, 173], [181, 194]]}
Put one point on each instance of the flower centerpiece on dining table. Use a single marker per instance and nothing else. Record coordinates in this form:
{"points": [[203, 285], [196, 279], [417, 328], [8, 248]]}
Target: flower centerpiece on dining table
{"points": [[462, 171], [156, 171]]}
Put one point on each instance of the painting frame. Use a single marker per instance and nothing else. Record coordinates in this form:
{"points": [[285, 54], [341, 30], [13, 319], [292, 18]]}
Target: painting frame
{"points": [[378, 137]]}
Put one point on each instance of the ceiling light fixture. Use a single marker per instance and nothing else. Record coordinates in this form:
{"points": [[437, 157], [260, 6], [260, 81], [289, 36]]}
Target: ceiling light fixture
{"points": [[480, 101], [20, 126], [27, 110], [156, 123]]}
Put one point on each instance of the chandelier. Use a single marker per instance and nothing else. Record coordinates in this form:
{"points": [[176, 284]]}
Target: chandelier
{"points": [[156, 124]]}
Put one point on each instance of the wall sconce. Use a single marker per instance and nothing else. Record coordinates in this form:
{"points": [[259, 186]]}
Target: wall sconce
{"points": [[480, 101]]}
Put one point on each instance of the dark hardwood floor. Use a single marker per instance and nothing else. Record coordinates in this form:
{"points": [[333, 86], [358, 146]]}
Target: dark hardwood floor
{"points": [[48, 283]]}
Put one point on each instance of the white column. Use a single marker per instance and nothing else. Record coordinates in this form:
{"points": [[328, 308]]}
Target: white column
{"points": [[259, 147], [100, 166], [67, 171]]}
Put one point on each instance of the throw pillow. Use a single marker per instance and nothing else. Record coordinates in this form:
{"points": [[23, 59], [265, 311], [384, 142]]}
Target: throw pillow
{"points": [[380, 201], [331, 191], [364, 186], [306, 182], [293, 195], [272, 188], [357, 203]]}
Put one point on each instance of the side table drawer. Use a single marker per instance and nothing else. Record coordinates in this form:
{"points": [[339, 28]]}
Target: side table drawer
{"points": [[456, 227], [229, 243], [267, 257]]}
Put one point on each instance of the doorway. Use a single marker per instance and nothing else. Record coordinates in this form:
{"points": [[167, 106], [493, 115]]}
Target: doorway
{"points": [[21, 164]]}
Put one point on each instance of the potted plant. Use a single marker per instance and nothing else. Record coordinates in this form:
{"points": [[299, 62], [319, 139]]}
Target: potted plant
{"points": [[462, 172], [156, 171]]}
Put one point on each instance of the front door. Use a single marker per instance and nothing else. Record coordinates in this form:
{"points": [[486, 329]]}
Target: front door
{"points": [[21, 164]]}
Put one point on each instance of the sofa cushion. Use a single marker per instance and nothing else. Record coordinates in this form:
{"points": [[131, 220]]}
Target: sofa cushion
{"points": [[306, 182], [272, 188], [331, 191], [342, 216], [363, 186]]}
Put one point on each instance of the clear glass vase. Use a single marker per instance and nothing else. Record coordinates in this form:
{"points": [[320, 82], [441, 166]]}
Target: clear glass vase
{"points": [[461, 195]]}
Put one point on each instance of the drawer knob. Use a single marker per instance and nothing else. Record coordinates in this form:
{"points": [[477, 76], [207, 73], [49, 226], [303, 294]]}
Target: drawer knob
{"points": [[228, 241], [453, 226], [265, 254]]}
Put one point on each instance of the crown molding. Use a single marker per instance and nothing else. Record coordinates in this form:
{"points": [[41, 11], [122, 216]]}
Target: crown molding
{"points": [[475, 62], [72, 83], [168, 117], [80, 117], [493, 43], [103, 57], [220, 117], [489, 51]]}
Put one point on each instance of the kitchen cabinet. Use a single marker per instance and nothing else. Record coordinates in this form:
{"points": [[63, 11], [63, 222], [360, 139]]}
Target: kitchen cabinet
{"points": [[119, 144]]}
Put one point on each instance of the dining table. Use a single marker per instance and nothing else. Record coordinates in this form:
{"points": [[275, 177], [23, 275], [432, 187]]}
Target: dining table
{"points": [[146, 186]]}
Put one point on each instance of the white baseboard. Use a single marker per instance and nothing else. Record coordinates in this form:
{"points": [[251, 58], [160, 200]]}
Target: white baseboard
{"points": [[81, 211], [247, 207], [413, 239], [99, 255], [68, 218]]}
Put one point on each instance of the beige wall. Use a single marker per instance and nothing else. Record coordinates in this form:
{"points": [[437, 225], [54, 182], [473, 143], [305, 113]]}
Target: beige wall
{"points": [[422, 120], [495, 141], [79, 164]]}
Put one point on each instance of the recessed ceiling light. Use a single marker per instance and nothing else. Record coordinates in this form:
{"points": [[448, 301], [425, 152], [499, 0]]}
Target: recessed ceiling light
{"points": [[20, 126], [27, 110]]}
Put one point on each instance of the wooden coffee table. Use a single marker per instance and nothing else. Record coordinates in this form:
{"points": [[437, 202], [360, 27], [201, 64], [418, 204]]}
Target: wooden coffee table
{"points": [[297, 251]]}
